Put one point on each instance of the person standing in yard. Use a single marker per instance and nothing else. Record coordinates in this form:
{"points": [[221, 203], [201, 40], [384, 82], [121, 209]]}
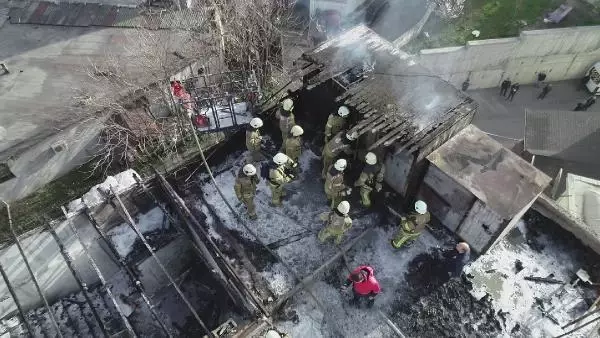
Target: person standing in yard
{"points": [[286, 117], [541, 77], [410, 227], [513, 91], [504, 87], [364, 286], [253, 140], [456, 259], [336, 122], [338, 222], [278, 177], [292, 146], [547, 88], [245, 188], [589, 102], [371, 178]]}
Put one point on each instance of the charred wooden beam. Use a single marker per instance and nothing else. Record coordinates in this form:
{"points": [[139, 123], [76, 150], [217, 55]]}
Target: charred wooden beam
{"points": [[211, 253], [309, 279], [51, 314], [79, 280], [16, 300], [96, 269], [403, 128], [130, 273], [135, 228]]}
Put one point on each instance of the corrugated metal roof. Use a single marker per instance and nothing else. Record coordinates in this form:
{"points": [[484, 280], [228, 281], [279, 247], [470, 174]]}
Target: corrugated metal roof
{"points": [[400, 99], [93, 14], [502, 180], [565, 135]]}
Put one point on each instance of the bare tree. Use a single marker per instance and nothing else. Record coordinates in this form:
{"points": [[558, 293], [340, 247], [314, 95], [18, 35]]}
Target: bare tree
{"points": [[449, 9], [142, 118]]}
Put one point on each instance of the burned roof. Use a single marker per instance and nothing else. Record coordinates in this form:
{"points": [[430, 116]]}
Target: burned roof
{"points": [[495, 175], [396, 97], [565, 135]]}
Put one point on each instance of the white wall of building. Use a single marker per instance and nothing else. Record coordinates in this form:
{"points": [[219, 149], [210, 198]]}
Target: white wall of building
{"points": [[563, 53]]}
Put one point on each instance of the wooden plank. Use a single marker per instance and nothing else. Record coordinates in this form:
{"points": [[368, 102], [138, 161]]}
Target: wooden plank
{"points": [[211, 253], [310, 278]]}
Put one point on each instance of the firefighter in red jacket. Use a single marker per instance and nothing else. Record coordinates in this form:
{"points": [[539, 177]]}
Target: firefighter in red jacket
{"points": [[364, 285]]}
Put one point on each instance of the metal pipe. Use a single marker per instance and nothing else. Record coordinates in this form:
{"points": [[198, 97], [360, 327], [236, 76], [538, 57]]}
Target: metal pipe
{"points": [[128, 326], [308, 279], [577, 320], [82, 286], [132, 276], [134, 227], [33, 278], [579, 327], [16, 300]]}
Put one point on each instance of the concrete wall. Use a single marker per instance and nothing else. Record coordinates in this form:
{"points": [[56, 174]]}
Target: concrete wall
{"points": [[42, 162], [563, 53]]}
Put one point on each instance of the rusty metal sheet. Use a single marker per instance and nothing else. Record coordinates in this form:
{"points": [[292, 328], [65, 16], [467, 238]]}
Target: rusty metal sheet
{"points": [[495, 175]]}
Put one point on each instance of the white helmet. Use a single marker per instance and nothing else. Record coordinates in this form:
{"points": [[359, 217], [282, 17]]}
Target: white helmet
{"points": [[272, 334], [351, 136], [371, 158], [343, 111], [296, 131], [344, 207], [340, 164], [421, 207], [249, 170], [280, 158], [288, 104], [256, 123]]}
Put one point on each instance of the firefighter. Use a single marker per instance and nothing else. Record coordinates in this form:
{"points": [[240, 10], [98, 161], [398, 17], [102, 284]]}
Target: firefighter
{"points": [[340, 143], [410, 227], [338, 222], [245, 188], [279, 175], [371, 178], [292, 146], [286, 117], [364, 285], [335, 188], [336, 122], [253, 140]]}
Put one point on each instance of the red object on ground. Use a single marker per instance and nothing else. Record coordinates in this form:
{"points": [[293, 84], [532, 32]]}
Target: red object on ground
{"points": [[369, 285], [201, 121]]}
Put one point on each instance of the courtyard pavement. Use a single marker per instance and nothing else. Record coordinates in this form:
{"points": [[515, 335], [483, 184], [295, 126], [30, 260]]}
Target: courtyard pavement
{"points": [[496, 115]]}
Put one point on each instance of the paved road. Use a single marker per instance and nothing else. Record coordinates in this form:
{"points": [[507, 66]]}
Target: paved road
{"points": [[498, 116]]}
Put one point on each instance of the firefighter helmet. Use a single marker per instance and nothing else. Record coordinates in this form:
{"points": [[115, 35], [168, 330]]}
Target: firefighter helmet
{"points": [[371, 158], [249, 170], [421, 207], [340, 164], [343, 111], [296, 131], [280, 158], [256, 123], [344, 207], [288, 104]]}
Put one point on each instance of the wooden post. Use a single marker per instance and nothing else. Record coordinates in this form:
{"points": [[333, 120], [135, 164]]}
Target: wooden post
{"points": [[309, 279]]}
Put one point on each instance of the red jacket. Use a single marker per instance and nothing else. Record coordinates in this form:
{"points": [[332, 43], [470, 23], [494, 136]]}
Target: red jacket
{"points": [[369, 286]]}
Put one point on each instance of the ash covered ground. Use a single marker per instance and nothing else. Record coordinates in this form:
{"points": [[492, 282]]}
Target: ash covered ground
{"points": [[298, 219], [418, 300]]}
